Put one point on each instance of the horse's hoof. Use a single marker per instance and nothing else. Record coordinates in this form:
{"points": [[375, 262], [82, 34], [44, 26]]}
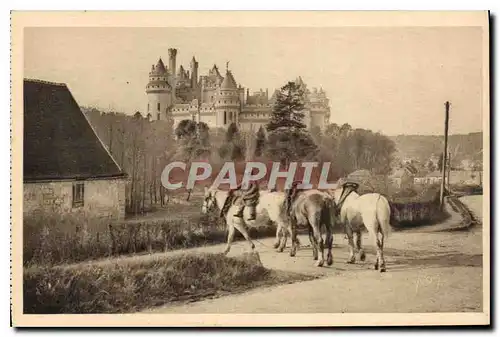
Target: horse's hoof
{"points": [[280, 249], [319, 263], [362, 256], [329, 261], [352, 260], [276, 245], [292, 254], [382, 270], [253, 246], [315, 258], [375, 266]]}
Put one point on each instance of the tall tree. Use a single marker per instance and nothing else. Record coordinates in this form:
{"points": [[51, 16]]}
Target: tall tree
{"points": [[288, 109], [288, 138]]}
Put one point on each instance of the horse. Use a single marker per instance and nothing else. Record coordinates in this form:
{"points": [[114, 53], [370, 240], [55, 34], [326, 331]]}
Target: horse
{"points": [[215, 197], [270, 204], [314, 208], [371, 210]]}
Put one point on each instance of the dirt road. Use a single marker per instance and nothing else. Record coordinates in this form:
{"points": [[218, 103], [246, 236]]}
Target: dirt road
{"points": [[475, 204], [427, 272]]}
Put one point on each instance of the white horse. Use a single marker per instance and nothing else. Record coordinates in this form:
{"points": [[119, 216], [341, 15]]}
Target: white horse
{"points": [[215, 197], [371, 210], [271, 204]]}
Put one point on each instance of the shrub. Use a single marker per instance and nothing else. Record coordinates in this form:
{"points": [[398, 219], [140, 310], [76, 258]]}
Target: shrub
{"points": [[132, 285], [54, 239]]}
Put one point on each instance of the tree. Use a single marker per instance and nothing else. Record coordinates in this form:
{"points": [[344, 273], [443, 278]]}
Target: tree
{"points": [[260, 142], [430, 166], [288, 110], [234, 147], [440, 163], [193, 139], [288, 138]]}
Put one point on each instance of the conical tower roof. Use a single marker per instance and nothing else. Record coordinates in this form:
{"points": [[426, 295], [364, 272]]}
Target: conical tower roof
{"points": [[160, 67], [229, 82]]}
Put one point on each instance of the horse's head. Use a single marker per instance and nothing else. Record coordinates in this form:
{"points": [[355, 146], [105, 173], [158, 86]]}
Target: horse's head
{"points": [[208, 200], [344, 189]]}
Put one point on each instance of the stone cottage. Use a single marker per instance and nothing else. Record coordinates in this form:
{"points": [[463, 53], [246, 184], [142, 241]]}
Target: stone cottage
{"points": [[67, 169]]}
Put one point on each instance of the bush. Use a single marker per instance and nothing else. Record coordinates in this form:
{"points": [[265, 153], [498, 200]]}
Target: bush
{"points": [[412, 209], [133, 285]]}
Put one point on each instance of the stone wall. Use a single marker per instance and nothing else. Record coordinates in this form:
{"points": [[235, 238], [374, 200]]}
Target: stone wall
{"points": [[103, 198]]}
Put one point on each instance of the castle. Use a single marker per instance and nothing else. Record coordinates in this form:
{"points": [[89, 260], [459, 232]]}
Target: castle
{"points": [[218, 100]]}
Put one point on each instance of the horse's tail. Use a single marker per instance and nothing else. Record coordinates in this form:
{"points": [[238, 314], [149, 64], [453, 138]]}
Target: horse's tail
{"points": [[384, 215], [330, 215]]}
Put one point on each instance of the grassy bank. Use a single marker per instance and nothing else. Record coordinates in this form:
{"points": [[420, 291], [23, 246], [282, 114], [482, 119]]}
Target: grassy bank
{"points": [[135, 285], [53, 239]]}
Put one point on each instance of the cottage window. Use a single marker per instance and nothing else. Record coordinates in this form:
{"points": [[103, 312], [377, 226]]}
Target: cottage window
{"points": [[158, 106], [225, 118], [78, 194]]}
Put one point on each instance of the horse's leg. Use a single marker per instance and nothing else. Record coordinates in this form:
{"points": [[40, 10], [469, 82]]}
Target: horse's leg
{"points": [[329, 244], [360, 252], [278, 235], [380, 251], [230, 237], [240, 226], [352, 257], [293, 233], [318, 241], [284, 238], [314, 248]]}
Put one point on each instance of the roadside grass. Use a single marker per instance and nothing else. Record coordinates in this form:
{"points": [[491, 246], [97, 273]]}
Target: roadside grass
{"points": [[139, 284], [52, 239]]}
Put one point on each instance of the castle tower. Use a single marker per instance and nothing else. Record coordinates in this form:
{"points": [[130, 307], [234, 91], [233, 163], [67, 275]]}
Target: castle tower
{"points": [[227, 105], [159, 91], [172, 55], [194, 73]]}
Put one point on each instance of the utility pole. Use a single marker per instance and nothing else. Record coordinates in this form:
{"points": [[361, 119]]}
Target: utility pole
{"points": [[443, 168]]}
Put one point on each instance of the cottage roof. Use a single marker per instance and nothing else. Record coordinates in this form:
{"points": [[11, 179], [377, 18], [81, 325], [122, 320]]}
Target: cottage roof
{"points": [[59, 142], [435, 174], [421, 173], [411, 169]]}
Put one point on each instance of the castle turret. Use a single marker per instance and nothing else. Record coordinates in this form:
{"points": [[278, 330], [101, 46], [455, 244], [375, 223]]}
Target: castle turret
{"points": [[228, 101], [172, 55], [159, 91], [194, 73]]}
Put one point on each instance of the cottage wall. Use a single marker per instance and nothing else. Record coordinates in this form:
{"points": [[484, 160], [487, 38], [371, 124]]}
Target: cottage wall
{"points": [[103, 198]]}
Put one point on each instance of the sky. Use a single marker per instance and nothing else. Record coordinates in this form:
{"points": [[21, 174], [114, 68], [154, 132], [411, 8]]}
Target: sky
{"points": [[393, 80]]}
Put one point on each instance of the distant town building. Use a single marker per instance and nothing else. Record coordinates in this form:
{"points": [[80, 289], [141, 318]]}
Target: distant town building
{"points": [[420, 177], [217, 99], [434, 177], [66, 169], [434, 159], [403, 177]]}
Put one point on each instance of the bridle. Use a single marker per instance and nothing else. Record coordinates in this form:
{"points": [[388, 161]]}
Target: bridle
{"points": [[351, 187]]}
